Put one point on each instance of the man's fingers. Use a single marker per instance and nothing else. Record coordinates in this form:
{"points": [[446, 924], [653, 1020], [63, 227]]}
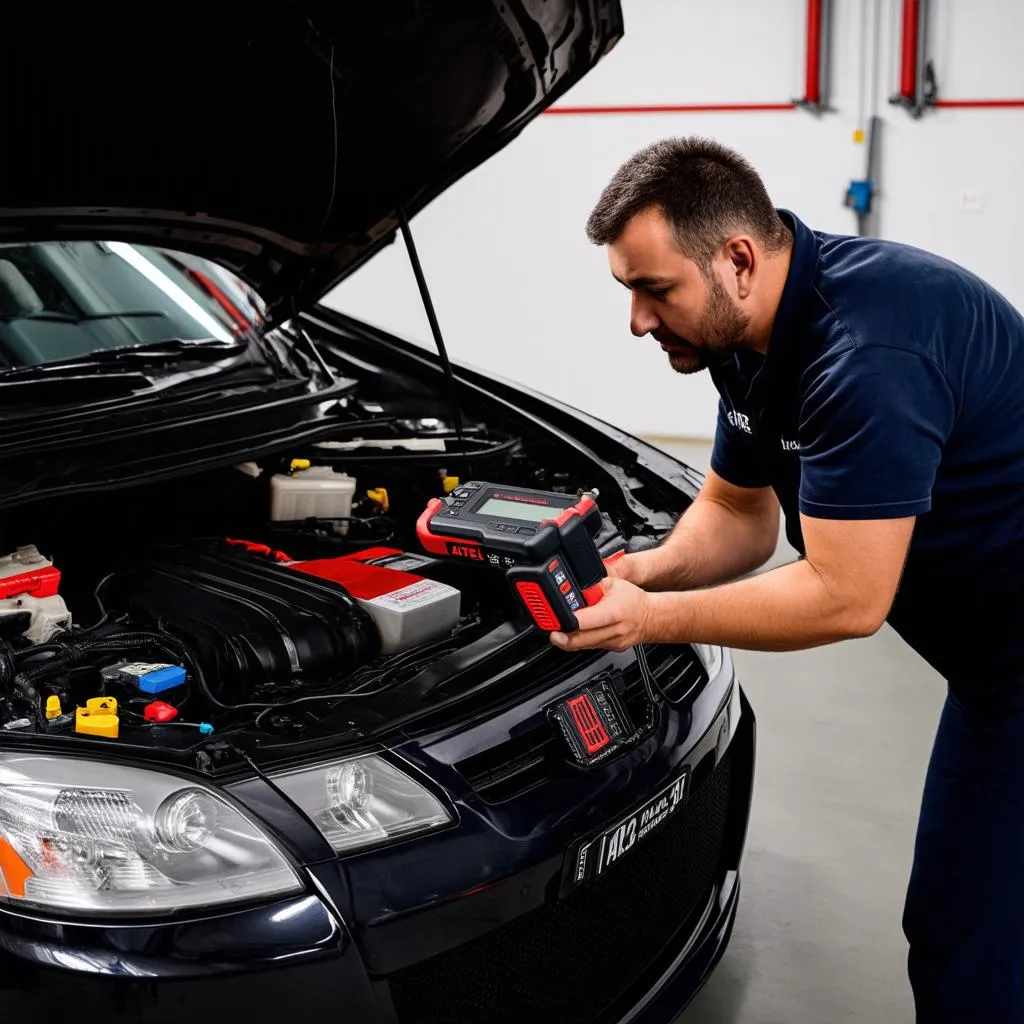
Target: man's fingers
{"points": [[615, 568], [597, 617], [582, 641]]}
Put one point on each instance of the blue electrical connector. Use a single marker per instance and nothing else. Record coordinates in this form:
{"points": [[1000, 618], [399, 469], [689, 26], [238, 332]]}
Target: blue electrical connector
{"points": [[858, 196]]}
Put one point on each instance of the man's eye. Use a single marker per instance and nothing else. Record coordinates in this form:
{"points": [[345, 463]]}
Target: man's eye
{"points": [[657, 293]]}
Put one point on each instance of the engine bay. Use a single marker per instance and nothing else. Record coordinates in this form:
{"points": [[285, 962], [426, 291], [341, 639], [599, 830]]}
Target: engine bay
{"points": [[259, 602]]}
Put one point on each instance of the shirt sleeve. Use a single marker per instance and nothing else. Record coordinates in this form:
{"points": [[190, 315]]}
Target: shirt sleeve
{"points": [[873, 425], [734, 455]]}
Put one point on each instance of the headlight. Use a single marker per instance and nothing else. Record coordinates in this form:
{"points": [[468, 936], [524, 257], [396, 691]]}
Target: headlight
{"points": [[91, 837], [362, 800], [710, 657]]}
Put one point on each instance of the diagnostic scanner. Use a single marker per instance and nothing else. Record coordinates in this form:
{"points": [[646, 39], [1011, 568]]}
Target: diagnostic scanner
{"points": [[542, 539]]}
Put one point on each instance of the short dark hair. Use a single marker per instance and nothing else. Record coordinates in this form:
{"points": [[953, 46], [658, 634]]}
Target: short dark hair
{"points": [[706, 191]]}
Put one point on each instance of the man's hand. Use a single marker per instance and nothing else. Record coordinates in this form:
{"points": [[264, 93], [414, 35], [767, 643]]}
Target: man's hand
{"points": [[620, 566], [617, 622]]}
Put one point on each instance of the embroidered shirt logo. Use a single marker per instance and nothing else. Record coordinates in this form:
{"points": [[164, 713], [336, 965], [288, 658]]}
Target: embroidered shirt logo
{"points": [[789, 446], [739, 420]]}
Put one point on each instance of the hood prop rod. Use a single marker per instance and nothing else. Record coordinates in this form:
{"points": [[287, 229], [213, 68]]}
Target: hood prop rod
{"points": [[311, 345], [435, 329]]}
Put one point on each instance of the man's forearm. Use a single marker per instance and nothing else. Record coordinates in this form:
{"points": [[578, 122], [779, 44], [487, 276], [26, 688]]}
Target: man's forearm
{"points": [[710, 544], [790, 608]]}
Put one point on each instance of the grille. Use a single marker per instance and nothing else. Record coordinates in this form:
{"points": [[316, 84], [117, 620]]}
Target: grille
{"points": [[569, 960], [515, 767], [528, 760], [677, 669]]}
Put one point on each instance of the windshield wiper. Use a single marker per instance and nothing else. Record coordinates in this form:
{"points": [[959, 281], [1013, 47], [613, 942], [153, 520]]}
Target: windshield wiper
{"points": [[169, 350], [57, 317]]}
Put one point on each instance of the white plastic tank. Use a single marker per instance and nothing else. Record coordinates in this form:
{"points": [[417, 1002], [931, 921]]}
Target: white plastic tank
{"points": [[319, 491]]}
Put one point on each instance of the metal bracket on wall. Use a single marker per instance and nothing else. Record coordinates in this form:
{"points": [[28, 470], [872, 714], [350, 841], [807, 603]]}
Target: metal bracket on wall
{"points": [[918, 87]]}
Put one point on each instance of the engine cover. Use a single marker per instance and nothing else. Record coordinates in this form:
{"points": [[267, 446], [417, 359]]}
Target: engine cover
{"points": [[249, 621]]}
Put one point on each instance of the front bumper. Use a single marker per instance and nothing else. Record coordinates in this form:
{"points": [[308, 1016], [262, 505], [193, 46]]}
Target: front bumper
{"points": [[635, 945]]}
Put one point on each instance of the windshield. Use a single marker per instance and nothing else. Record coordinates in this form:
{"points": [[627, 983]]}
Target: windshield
{"points": [[66, 300]]}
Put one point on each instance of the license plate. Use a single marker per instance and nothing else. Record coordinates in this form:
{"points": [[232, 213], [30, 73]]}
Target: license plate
{"points": [[594, 856]]}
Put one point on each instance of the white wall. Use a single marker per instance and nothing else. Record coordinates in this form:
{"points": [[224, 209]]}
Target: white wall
{"points": [[520, 291]]}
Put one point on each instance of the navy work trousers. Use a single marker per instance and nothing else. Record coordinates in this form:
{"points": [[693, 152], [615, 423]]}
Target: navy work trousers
{"points": [[964, 913]]}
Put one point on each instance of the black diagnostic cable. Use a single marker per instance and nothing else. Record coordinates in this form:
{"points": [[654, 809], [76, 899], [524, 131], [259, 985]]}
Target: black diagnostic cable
{"points": [[651, 680]]}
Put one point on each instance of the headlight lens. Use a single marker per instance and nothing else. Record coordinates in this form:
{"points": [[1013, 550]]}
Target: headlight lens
{"points": [[362, 800], [711, 657], [89, 837]]}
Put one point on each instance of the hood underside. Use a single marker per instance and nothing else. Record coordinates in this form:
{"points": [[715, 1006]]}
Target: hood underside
{"points": [[279, 141]]}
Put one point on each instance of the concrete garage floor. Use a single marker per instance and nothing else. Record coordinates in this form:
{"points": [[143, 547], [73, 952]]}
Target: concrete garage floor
{"points": [[844, 734]]}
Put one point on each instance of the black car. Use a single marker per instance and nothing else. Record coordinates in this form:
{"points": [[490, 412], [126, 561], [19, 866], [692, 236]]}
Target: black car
{"points": [[261, 752]]}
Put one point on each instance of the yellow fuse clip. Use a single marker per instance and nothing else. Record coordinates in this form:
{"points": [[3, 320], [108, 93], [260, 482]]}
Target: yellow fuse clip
{"points": [[379, 496], [98, 718], [449, 483], [53, 708]]}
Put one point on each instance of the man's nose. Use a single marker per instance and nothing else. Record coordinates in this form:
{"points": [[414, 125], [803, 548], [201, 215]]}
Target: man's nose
{"points": [[642, 320]]}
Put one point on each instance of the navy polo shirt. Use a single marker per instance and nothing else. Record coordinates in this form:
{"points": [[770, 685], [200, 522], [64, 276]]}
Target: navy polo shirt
{"points": [[893, 386]]}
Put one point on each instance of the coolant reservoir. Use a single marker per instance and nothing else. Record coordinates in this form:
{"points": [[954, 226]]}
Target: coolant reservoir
{"points": [[317, 491]]}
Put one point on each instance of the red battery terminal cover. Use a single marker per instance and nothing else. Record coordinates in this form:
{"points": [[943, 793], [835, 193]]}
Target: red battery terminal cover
{"points": [[160, 712], [259, 549]]}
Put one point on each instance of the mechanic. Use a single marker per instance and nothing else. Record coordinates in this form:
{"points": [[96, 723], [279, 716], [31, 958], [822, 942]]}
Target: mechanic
{"points": [[876, 393]]}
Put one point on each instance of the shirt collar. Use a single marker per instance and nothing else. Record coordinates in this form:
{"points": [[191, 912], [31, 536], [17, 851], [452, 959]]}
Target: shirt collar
{"points": [[749, 372], [789, 328]]}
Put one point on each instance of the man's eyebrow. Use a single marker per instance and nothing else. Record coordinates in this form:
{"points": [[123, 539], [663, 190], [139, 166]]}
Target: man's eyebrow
{"points": [[643, 282]]}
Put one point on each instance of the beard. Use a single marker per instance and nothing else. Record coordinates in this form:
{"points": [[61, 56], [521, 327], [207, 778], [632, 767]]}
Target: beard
{"points": [[719, 334]]}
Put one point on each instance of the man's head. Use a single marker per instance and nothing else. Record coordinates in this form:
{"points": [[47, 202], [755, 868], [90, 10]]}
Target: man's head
{"points": [[692, 232]]}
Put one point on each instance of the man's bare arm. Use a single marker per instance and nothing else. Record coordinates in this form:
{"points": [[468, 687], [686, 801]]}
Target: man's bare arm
{"points": [[727, 532], [844, 588]]}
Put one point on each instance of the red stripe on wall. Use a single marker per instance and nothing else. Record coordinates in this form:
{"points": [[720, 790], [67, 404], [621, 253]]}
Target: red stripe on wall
{"points": [[979, 104], [726, 108], [674, 108]]}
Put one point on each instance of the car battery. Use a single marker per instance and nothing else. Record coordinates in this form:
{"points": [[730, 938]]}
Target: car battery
{"points": [[408, 609]]}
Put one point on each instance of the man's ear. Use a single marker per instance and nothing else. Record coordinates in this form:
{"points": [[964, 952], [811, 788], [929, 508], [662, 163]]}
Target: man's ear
{"points": [[742, 256]]}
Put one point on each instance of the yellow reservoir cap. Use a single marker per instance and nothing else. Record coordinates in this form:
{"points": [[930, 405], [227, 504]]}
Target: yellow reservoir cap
{"points": [[53, 708], [98, 718], [449, 483], [297, 464], [379, 496]]}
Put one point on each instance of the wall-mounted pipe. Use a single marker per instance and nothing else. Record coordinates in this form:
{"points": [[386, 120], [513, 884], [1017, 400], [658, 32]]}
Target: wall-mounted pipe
{"points": [[861, 193], [917, 75], [908, 56], [815, 96], [812, 88]]}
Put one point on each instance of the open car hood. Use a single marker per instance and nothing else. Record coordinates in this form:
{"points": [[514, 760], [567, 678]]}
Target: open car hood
{"points": [[280, 142]]}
